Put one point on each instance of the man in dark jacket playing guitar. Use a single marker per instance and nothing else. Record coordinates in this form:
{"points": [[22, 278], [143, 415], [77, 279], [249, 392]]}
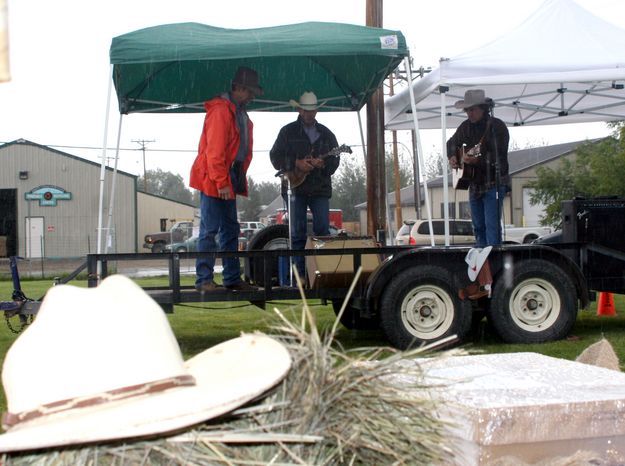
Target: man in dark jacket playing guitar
{"points": [[300, 155], [479, 150]]}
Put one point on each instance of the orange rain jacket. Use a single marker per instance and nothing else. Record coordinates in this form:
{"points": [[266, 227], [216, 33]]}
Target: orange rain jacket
{"points": [[218, 148]]}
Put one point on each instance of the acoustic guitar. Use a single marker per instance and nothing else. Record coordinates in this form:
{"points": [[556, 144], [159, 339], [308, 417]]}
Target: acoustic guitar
{"points": [[297, 177], [465, 173]]}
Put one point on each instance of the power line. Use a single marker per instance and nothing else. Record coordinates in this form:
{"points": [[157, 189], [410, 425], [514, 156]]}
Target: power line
{"points": [[143, 143]]}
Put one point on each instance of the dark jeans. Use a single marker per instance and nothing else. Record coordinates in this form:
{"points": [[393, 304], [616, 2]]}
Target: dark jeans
{"points": [[218, 223], [486, 217], [320, 209]]}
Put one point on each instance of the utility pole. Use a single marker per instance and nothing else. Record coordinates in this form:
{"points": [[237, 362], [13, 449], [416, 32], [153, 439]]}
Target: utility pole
{"points": [[143, 143], [398, 214], [376, 176]]}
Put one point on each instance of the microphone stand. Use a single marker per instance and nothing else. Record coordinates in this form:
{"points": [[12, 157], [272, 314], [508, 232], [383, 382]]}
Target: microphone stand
{"points": [[497, 175], [289, 209]]}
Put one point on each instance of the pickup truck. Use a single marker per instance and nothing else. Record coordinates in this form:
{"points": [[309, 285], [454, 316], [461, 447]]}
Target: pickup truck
{"points": [[524, 235], [179, 232]]}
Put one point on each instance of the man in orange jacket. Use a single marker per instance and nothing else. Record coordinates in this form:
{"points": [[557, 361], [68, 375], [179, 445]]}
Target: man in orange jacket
{"points": [[219, 173]]}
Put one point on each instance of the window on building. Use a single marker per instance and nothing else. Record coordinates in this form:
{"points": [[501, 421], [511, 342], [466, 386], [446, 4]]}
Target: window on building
{"points": [[452, 210], [465, 209], [163, 224]]}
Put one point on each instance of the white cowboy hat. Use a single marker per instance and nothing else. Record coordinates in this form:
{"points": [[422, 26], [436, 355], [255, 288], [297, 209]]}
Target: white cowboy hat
{"points": [[475, 259], [307, 101], [102, 364], [473, 97]]}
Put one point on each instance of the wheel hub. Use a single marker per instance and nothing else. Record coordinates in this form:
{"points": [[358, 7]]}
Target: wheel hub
{"points": [[535, 305], [427, 312]]}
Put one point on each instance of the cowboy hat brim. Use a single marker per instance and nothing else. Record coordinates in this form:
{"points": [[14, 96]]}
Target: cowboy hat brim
{"points": [[296, 104], [475, 259], [227, 376]]}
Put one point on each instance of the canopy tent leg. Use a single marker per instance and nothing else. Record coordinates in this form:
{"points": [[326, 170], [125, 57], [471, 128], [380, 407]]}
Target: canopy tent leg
{"points": [[103, 163], [419, 152], [445, 162], [113, 189]]}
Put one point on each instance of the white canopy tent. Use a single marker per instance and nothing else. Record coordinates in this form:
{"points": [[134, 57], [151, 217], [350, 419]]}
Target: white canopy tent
{"points": [[561, 65]]}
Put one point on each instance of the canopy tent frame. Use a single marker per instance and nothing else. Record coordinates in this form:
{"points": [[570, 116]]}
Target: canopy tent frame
{"points": [[343, 63], [543, 72]]}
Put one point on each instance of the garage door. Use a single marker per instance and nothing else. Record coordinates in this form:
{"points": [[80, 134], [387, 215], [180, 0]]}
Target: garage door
{"points": [[531, 213]]}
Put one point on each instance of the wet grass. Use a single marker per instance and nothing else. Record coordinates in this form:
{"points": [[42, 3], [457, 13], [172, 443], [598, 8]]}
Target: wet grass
{"points": [[198, 326]]}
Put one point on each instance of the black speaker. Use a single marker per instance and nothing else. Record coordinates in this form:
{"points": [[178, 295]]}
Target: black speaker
{"points": [[598, 220]]}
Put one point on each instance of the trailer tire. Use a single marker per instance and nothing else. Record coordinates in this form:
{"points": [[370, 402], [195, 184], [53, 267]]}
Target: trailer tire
{"points": [[351, 318], [539, 305], [421, 305], [271, 237]]}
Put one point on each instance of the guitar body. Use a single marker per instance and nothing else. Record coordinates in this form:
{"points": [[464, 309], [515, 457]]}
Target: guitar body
{"points": [[297, 177], [463, 176]]}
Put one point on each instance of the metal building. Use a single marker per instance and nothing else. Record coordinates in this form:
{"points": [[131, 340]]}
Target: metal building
{"points": [[49, 203]]}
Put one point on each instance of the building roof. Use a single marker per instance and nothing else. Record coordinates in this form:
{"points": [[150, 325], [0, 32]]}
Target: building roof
{"points": [[25, 142], [518, 161]]}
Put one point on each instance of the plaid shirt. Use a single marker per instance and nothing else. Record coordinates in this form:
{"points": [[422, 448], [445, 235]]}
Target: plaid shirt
{"points": [[494, 147]]}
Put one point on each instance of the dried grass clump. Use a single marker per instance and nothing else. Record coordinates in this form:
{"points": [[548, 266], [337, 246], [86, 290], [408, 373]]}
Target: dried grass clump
{"points": [[334, 407]]}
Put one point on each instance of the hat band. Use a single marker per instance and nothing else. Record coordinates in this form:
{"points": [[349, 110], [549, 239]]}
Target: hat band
{"points": [[10, 419]]}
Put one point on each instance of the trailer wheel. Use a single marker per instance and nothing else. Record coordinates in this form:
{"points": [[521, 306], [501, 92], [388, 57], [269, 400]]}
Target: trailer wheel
{"points": [[421, 305], [539, 305], [271, 237], [351, 318]]}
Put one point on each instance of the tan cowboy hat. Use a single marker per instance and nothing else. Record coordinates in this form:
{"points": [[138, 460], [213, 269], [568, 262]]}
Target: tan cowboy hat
{"points": [[101, 364], [473, 97], [307, 101]]}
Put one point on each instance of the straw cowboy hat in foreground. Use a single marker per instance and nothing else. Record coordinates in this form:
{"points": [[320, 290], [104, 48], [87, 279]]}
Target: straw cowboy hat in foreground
{"points": [[102, 364]]}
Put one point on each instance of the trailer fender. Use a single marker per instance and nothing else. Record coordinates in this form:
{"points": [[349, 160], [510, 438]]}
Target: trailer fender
{"points": [[449, 258]]}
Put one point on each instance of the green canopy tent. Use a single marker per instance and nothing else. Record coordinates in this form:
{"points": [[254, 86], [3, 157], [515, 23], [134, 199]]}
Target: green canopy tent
{"points": [[174, 68]]}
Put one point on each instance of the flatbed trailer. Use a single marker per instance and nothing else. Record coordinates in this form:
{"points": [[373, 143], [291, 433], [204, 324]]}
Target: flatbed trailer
{"points": [[414, 296]]}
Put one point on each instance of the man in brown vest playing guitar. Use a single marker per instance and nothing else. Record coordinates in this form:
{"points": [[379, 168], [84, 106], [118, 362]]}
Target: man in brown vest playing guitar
{"points": [[479, 149], [300, 153]]}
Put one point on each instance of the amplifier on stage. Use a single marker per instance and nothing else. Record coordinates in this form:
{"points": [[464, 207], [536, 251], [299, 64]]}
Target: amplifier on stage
{"points": [[597, 220], [338, 271]]}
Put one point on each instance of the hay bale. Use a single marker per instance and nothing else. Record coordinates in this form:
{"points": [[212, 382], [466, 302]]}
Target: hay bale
{"points": [[334, 407], [600, 354]]}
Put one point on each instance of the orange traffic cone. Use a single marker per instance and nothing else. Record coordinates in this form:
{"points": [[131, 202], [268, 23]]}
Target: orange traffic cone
{"points": [[605, 306]]}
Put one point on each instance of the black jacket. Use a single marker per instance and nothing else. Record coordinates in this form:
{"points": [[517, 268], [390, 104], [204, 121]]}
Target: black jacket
{"points": [[495, 142], [292, 143]]}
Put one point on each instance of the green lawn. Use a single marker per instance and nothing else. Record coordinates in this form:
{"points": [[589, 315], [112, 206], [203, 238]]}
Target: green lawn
{"points": [[201, 325]]}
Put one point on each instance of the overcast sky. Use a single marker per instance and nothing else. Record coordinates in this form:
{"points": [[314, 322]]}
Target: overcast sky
{"points": [[60, 70]]}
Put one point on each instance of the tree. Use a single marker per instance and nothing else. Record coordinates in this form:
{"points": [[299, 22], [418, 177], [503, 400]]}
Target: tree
{"points": [[349, 188], [259, 195], [597, 170], [166, 184], [433, 166], [349, 184]]}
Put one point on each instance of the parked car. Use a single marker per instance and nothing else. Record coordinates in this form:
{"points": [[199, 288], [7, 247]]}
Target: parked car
{"points": [[460, 232], [403, 235], [251, 225], [189, 245], [157, 242]]}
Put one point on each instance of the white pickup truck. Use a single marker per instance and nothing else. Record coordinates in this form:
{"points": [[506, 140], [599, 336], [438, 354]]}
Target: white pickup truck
{"points": [[524, 234]]}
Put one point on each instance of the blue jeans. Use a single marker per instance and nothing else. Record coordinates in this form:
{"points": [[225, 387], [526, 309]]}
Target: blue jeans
{"points": [[298, 223], [218, 223], [486, 217]]}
